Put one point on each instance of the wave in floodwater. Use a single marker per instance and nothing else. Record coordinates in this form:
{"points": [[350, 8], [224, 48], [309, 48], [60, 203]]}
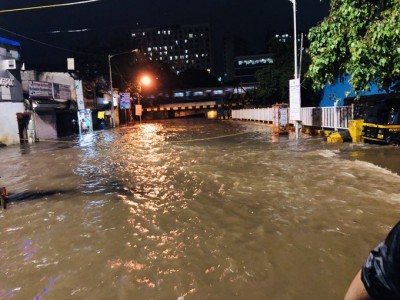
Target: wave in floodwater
{"points": [[191, 209]]}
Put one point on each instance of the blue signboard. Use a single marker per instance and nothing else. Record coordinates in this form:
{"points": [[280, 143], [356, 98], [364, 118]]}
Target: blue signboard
{"points": [[125, 101]]}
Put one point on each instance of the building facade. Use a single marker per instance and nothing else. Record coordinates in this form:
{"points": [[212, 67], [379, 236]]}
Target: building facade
{"points": [[12, 108], [182, 47], [234, 46], [247, 66], [52, 99]]}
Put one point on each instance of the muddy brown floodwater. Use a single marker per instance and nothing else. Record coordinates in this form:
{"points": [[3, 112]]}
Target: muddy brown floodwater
{"points": [[192, 209]]}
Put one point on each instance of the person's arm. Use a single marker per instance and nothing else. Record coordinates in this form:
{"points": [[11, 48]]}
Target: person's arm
{"points": [[357, 290], [379, 278]]}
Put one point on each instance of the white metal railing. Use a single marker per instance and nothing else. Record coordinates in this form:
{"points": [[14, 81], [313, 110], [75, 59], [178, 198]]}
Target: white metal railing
{"points": [[336, 117]]}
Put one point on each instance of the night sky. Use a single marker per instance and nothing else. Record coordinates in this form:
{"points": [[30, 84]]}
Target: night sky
{"points": [[250, 19]]}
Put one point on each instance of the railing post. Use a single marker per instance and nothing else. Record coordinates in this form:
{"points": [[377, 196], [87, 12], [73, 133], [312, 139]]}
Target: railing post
{"points": [[335, 116]]}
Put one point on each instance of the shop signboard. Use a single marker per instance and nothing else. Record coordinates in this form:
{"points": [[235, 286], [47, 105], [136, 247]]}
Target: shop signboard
{"points": [[61, 91], [40, 90]]}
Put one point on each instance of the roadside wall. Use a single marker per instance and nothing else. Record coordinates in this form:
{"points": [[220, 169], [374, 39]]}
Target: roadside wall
{"points": [[9, 132]]}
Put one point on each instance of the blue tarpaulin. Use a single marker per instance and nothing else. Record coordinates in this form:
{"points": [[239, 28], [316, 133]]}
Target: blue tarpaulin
{"points": [[9, 42]]}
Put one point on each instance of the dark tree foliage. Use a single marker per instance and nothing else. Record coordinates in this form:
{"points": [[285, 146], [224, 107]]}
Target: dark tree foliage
{"points": [[358, 38], [274, 79]]}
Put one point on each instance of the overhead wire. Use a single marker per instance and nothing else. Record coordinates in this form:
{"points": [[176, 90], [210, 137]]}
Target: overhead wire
{"points": [[47, 44], [47, 6], [43, 7]]}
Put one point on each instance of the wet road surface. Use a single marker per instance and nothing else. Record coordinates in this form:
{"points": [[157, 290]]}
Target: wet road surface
{"points": [[192, 209]]}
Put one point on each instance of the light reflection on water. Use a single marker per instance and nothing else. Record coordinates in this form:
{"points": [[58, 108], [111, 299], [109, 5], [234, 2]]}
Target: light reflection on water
{"points": [[168, 211]]}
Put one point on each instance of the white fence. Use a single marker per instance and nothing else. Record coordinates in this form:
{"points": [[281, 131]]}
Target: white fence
{"points": [[335, 117]]}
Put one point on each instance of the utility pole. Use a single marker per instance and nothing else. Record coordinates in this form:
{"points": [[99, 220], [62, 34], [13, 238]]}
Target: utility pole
{"points": [[294, 85], [111, 82], [112, 93], [295, 38]]}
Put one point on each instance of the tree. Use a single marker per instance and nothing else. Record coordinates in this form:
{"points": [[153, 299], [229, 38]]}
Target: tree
{"points": [[360, 38], [274, 78]]}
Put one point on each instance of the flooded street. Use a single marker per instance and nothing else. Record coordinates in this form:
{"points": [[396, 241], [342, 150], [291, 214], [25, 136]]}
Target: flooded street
{"points": [[192, 209]]}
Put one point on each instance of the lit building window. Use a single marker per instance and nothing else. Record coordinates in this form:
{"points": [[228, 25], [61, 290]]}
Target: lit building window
{"points": [[149, 49], [190, 35]]}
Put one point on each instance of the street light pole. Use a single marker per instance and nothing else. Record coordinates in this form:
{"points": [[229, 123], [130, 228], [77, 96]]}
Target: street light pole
{"points": [[111, 82], [139, 94], [296, 73], [295, 38], [145, 80], [112, 92]]}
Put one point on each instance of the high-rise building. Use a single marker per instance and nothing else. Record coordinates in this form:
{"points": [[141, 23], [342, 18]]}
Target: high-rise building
{"points": [[247, 66], [182, 47], [234, 46]]}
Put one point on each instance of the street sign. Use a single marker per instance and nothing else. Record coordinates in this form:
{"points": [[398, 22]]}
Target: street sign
{"points": [[138, 110], [295, 99]]}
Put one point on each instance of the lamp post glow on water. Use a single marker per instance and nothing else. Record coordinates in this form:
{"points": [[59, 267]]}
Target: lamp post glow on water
{"points": [[145, 80]]}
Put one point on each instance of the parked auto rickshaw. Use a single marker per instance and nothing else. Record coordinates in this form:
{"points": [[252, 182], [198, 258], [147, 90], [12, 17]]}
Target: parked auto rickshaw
{"points": [[382, 123]]}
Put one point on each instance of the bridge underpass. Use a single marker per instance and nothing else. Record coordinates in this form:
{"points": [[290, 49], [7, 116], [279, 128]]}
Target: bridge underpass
{"points": [[192, 109]]}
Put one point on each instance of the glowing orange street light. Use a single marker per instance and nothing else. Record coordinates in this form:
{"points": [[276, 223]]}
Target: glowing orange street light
{"points": [[145, 80]]}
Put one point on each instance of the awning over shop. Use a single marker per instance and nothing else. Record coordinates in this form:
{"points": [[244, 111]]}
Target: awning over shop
{"points": [[47, 104]]}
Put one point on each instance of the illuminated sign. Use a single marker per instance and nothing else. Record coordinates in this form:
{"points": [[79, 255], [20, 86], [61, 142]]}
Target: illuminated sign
{"points": [[254, 62], [6, 82]]}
